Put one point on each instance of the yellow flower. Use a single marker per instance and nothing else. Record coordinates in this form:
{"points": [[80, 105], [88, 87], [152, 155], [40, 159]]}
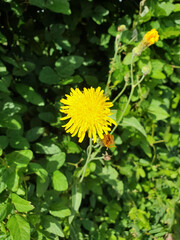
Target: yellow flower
{"points": [[87, 111], [150, 37]]}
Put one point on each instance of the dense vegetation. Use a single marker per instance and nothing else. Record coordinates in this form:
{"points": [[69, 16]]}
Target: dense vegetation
{"points": [[49, 46]]}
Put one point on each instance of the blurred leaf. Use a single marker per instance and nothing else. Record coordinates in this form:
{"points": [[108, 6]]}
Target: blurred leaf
{"points": [[164, 9], [3, 142], [47, 117], [19, 142], [59, 181], [21, 204], [48, 76], [65, 66], [3, 211], [55, 162], [51, 225], [21, 158], [34, 133], [60, 209], [46, 146], [155, 109], [19, 228], [99, 14], [41, 185], [133, 122], [29, 94], [58, 6], [38, 170]]}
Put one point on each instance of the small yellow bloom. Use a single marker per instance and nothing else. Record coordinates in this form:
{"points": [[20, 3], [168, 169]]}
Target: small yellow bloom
{"points": [[87, 111], [151, 37]]}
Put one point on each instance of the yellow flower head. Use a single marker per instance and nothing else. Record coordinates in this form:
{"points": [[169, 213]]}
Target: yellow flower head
{"points": [[151, 37], [87, 111]]}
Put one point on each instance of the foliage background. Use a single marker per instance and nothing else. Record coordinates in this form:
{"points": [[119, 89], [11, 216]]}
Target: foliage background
{"points": [[46, 47]]}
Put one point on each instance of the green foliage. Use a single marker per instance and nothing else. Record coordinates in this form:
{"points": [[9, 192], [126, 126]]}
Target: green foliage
{"points": [[49, 46]]}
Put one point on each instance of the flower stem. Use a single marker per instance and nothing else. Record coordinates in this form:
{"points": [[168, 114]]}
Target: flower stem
{"points": [[88, 159], [118, 96], [129, 99], [117, 41]]}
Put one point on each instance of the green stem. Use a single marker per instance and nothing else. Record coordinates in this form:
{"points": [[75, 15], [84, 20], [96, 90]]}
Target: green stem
{"points": [[118, 96], [129, 99], [140, 81], [88, 159], [117, 40]]}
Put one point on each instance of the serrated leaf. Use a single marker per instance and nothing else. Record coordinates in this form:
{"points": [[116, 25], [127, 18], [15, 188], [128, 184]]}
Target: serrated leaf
{"points": [[59, 181], [19, 228], [21, 204]]}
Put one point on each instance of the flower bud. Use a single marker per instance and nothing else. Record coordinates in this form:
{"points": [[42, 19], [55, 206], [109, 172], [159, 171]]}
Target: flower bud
{"points": [[121, 28], [146, 70]]}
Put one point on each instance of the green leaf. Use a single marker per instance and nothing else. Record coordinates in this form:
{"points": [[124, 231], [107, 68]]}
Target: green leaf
{"points": [[51, 225], [21, 158], [19, 228], [13, 122], [19, 142], [72, 147], [164, 9], [21, 204], [5, 83], [170, 32], [99, 14], [3, 211], [48, 76], [158, 112], [158, 75], [177, 7], [11, 178], [23, 69], [72, 80], [60, 209], [133, 122], [76, 200], [58, 6], [29, 94], [38, 170], [3, 142], [128, 58], [41, 185], [46, 146], [59, 181], [55, 162], [34, 133], [65, 66], [47, 117]]}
